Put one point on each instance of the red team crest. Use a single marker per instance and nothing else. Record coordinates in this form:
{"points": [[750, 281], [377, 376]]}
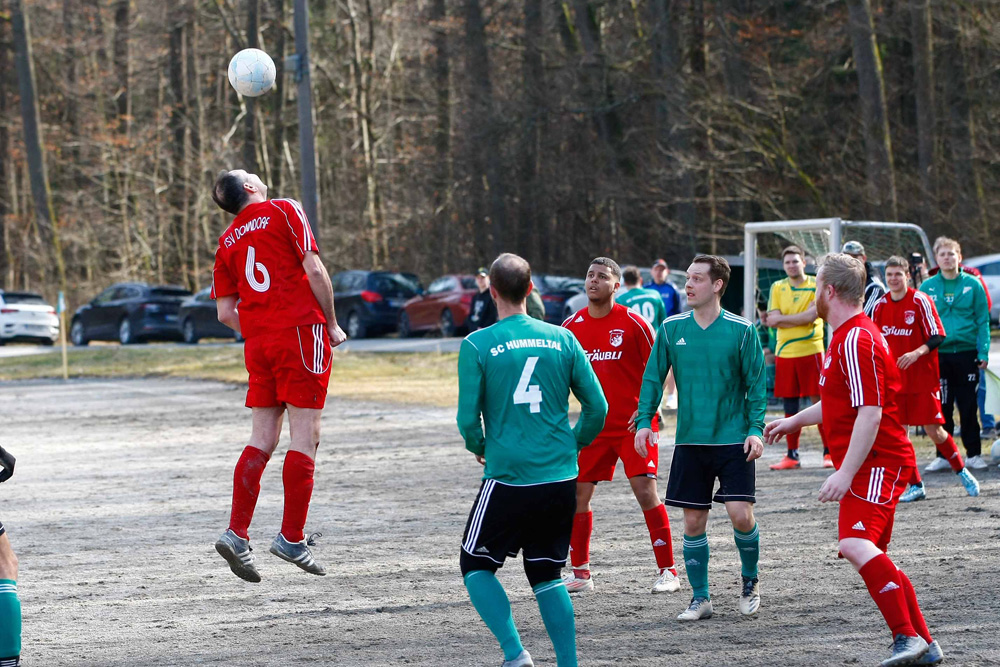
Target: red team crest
{"points": [[617, 337], [909, 317]]}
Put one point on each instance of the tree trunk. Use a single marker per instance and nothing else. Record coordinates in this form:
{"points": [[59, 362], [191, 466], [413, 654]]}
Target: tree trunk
{"points": [[532, 242], [180, 180], [279, 97], [923, 67], [250, 120], [123, 96], [440, 240], [6, 263], [871, 91]]}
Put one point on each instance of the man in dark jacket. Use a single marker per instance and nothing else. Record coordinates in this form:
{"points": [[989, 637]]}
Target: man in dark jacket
{"points": [[482, 310]]}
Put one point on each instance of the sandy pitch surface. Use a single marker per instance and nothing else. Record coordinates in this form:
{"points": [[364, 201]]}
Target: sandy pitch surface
{"points": [[123, 486]]}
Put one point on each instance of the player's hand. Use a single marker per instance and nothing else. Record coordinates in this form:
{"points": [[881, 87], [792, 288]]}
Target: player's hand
{"points": [[631, 422], [645, 438], [983, 363], [754, 447], [835, 487], [778, 429], [907, 360], [6, 465], [481, 460], [337, 335]]}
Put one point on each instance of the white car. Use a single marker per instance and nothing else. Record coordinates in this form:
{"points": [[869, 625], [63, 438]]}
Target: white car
{"points": [[989, 266], [26, 316], [676, 278]]}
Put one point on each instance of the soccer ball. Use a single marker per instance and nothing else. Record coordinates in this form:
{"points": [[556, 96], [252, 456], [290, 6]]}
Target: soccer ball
{"points": [[251, 72], [995, 451]]}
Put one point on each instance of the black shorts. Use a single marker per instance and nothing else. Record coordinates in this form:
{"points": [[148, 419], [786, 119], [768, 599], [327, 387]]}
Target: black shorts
{"points": [[506, 519], [2, 529], [695, 468]]}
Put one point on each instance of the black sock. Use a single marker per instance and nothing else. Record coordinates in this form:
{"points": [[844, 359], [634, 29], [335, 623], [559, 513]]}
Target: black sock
{"points": [[793, 454]]}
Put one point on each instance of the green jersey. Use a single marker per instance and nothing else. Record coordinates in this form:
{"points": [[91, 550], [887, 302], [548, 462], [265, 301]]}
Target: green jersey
{"points": [[721, 384], [517, 375], [646, 302], [964, 312]]}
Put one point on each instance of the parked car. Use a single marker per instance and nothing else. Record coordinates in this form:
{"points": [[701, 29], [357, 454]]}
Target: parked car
{"points": [[989, 266], [199, 318], [443, 307], [129, 313], [555, 292], [367, 303], [27, 316], [676, 278]]}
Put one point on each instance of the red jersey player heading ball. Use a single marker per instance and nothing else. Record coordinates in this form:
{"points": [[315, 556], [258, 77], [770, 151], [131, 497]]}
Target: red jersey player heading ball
{"points": [[270, 284]]}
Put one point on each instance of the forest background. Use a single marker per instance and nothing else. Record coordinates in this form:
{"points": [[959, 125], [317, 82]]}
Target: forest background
{"points": [[450, 130]]}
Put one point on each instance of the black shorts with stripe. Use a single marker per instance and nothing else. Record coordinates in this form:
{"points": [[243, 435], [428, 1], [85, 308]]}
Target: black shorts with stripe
{"points": [[505, 519], [695, 468]]}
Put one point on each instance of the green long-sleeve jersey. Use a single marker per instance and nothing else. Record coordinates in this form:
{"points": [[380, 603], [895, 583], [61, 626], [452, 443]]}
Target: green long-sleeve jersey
{"points": [[961, 304], [721, 384], [646, 302], [514, 378]]}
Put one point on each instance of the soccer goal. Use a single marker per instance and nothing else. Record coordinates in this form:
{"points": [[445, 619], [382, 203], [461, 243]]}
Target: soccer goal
{"points": [[763, 242]]}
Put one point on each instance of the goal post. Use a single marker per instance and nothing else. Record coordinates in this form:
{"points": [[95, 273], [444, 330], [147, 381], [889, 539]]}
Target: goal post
{"points": [[820, 236]]}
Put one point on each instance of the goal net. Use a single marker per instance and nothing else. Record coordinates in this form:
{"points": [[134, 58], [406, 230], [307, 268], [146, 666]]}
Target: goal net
{"points": [[764, 242]]}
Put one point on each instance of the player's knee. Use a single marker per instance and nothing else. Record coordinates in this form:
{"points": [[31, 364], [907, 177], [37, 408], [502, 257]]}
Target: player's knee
{"points": [[540, 571], [469, 563], [742, 517], [695, 523], [644, 489]]}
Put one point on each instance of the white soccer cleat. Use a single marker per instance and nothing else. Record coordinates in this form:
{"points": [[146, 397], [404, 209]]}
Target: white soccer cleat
{"points": [[667, 582], [575, 584], [976, 463], [750, 597], [906, 651], [698, 609], [523, 659], [937, 465]]}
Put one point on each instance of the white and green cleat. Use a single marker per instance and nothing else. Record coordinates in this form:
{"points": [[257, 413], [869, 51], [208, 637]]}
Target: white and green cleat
{"points": [[698, 609]]}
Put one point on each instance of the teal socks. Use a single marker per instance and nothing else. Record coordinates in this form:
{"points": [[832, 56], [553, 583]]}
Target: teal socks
{"points": [[557, 614], [748, 544], [696, 564], [10, 620], [490, 600]]}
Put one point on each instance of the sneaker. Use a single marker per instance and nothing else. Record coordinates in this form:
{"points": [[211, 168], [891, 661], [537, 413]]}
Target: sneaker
{"points": [[667, 582], [297, 553], [913, 492], [970, 483], [750, 597], [787, 463], [827, 461], [934, 655], [906, 651], [575, 584], [699, 608], [988, 434], [239, 555], [523, 659], [937, 465], [976, 462]]}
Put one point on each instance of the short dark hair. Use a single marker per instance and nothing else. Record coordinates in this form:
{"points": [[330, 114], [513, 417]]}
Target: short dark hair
{"points": [[631, 275], [793, 250], [898, 262], [510, 275], [610, 264], [228, 192], [718, 269]]}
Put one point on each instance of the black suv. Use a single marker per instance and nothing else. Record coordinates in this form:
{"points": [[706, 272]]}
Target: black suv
{"points": [[368, 302], [129, 313], [199, 318]]}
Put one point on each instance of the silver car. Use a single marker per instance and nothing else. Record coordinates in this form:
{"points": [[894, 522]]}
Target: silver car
{"points": [[989, 266], [26, 316]]}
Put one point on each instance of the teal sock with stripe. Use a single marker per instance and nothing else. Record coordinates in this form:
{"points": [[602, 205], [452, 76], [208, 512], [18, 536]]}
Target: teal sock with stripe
{"points": [[10, 619], [696, 564], [748, 544], [557, 614], [490, 600]]}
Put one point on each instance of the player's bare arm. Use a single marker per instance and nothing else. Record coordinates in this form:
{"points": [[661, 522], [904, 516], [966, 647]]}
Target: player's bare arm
{"points": [[322, 289], [779, 428], [226, 308], [862, 439], [777, 320]]}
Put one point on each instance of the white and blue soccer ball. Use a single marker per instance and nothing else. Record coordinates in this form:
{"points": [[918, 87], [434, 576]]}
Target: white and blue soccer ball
{"points": [[251, 72]]}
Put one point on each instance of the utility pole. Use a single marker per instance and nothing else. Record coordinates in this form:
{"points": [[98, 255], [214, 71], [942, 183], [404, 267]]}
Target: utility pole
{"points": [[299, 64]]}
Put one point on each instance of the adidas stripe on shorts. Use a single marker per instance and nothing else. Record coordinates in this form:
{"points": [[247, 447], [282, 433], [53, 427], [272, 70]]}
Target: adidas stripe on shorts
{"points": [[289, 366], [869, 507]]}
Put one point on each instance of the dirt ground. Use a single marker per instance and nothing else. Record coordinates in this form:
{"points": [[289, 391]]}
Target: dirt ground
{"points": [[123, 486]]}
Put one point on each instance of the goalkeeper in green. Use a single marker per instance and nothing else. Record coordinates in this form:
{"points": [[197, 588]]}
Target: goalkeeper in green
{"points": [[514, 378], [718, 361]]}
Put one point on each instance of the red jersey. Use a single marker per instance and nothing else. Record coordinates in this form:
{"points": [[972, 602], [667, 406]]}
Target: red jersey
{"points": [[259, 258], [618, 346], [858, 370], [906, 325]]}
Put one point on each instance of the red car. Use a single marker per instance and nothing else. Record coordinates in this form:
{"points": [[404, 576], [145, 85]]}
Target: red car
{"points": [[443, 307]]}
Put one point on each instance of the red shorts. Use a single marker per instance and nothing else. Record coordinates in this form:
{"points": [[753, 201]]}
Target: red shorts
{"points": [[288, 366], [920, 409], [798, 377], [868, 508], [598, 460]]}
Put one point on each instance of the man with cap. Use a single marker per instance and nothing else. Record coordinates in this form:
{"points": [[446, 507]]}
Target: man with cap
{"points": [[874, 289], [672, 304], [482, 310]]}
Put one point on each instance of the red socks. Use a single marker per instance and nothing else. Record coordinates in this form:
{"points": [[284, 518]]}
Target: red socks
{"points": [[916, 616], [297, 477], [949, 450], [579, 541], [659, 535], [246, 488], [884, 585]]}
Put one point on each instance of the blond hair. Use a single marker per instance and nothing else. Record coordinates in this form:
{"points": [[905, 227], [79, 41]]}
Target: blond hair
{"points": [[945, 242], [846, 275]]}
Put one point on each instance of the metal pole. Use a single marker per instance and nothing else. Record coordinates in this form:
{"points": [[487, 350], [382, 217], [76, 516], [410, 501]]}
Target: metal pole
{"points": [[307, 145], [749, 274]]}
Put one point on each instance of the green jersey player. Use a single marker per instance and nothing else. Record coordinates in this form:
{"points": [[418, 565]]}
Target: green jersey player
{"points": [[514, 379], [636, 298], [719, 365]]}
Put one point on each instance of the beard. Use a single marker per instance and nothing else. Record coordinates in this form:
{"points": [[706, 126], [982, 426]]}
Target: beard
{"points": [[822, 305]]}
